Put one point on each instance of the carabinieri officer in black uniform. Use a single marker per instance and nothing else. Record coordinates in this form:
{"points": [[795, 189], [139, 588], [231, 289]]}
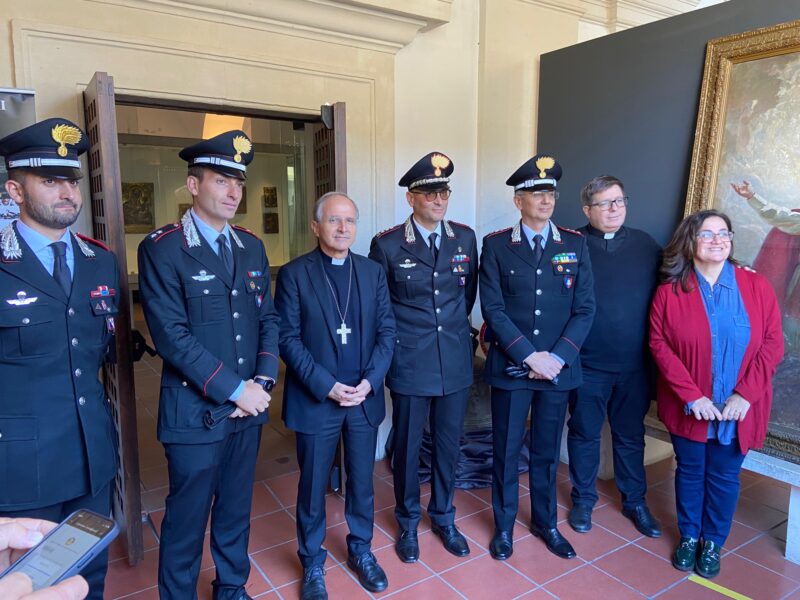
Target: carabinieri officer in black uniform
{"points": [[537, 298], [431, 266], [58, 293], [205, 288]]}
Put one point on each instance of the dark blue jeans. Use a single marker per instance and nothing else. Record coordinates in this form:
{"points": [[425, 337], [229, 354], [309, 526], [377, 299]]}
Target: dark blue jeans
{"points": [[706, 487]]}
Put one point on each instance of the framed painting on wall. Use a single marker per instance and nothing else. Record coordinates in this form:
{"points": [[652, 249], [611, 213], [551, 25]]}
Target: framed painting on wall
{"points": [[271, 224], [745, 162], [138, 207]]}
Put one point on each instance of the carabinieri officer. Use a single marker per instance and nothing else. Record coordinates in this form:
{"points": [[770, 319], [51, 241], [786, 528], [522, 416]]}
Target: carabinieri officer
{"points": [[537, 298], [58, 292], [431, 267], [205, 288]]}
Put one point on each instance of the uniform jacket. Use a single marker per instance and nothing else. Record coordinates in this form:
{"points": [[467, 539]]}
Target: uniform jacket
{"points": [[529, 308], [308, 342], [681, 343], [57, 437], [211, 329], [432, 304]]}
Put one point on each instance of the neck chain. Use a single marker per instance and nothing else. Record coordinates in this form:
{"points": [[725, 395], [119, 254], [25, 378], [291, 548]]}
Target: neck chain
{"points": [[343, 330]]}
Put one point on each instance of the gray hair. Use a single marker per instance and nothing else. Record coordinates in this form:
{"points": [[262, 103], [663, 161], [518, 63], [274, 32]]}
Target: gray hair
{"points": [[324, 198], [599, 184]]}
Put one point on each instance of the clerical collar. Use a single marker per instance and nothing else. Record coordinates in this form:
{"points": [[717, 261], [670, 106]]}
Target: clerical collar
{"points": [[606, 236], [609, 236], [338, 262]]}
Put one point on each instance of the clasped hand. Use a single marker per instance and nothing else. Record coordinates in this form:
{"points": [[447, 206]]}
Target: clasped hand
{"points": [[347, 395], [253, 401], [542, 366], [736, 409]]}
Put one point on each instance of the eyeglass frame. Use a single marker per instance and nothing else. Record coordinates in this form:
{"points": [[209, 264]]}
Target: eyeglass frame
{"points": [[725, 235], [436, 194], [537, 194], [605, 205]]}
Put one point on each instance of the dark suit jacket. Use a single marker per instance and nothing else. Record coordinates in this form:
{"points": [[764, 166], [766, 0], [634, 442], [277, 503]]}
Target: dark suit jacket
{"points": [[432, 303], [307, 339], [211, 329], [529, 307], [57, 437]]}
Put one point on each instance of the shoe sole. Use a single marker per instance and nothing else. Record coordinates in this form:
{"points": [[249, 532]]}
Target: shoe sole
{"points": [[704, 574], [682, 568], [501, 556], [404, 559]]}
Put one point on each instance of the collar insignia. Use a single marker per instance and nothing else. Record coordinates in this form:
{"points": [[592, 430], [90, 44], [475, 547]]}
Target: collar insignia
{"points": [[236, 238], [190, 233], [9, 243], [65, 134], [410, 237], [448, 230], [516, 233], [86, 250], [556, 233], [203, 276], [22, 299]]}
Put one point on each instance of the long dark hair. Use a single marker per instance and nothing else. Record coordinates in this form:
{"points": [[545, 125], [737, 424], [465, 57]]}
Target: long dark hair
{"points": [[678, 259]]}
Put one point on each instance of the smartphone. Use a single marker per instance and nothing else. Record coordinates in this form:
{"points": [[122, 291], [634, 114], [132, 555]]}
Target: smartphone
{"points": [[66, 549]]}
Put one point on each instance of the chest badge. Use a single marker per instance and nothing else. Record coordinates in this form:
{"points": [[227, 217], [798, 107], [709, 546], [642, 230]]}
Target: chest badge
{"points": [[102, 291], [568, 281], [22, 299], [203, 276], [407, 264]]}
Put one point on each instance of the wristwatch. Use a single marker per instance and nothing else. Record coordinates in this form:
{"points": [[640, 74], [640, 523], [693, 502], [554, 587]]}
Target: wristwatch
{"points": [[265, 383]]}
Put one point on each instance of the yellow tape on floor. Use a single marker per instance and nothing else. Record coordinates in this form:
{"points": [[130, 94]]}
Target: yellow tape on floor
{"points": [[718, 588]]}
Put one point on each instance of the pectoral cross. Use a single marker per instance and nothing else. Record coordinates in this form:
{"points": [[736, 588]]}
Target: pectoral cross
{"points": [[343, 331]]}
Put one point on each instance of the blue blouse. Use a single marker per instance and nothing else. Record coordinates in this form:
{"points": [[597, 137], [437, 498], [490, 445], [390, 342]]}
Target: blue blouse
{"points": [[730, 334]]}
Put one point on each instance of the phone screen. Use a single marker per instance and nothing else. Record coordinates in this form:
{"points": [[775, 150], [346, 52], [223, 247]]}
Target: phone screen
{"points": [[68, 545]]}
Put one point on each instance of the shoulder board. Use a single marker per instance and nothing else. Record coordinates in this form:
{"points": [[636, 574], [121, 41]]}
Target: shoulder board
{"points": [[746, 268], [498, 232], [245, 230], [89, 240], [162, 231], [460, 224], [385, 231], [567, 229]]}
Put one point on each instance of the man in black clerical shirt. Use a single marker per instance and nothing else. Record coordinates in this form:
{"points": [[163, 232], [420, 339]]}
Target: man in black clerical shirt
{"points": [[614, 357], [337, 337]]}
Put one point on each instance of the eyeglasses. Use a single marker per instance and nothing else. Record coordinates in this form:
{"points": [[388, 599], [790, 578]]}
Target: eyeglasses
{"points": [[431, 196], [337, 221], [542, 195], [707, 235], [606, 204]]}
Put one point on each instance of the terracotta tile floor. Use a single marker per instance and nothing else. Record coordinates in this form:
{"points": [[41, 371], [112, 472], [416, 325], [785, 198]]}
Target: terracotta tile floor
{"points": [[614, 561]]}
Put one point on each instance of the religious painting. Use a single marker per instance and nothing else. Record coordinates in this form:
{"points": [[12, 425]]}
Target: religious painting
{"points": [[138, 208], [271, 223], [746, 163], [270, 197]]}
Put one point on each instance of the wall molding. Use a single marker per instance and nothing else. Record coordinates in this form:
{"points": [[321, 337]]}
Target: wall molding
{"points": [[618, 14]]}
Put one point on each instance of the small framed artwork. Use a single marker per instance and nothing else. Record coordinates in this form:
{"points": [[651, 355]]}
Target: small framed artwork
{"points": [[182, 208], [270, 197], [271, 223], [242, 208], [138, 207]]}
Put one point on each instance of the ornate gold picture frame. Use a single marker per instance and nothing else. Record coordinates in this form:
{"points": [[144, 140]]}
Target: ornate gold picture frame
{"points": [[746, 162]]}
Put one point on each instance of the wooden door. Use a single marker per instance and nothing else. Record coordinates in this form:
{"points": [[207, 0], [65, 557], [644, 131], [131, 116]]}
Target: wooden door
{"points": [[109, 228]]}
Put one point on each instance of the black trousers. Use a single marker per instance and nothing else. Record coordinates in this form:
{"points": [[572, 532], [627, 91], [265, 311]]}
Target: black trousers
{"points": [[95, 571], [315, 453], [509, 414], [625, 398], [214, 478], [410, 414]]}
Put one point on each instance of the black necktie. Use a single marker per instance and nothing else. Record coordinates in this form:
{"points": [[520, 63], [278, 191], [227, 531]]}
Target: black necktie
{"points": [[225, 253], [60, 268], [537, 248], [434, 250]]}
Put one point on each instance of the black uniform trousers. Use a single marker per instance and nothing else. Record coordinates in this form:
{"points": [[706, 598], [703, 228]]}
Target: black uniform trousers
{"points": [[625, 398], [95, 572], [445, 416], [509, 415], [221, 472], [315, 454]]}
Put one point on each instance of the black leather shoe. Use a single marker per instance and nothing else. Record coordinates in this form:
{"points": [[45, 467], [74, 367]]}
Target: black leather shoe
{"points": [[580, 518], [407, 546], [314, 584], [502, 545], [685, 554], [370, 575], [708, 562], [555, 542], [645, 522], [453, 541]]}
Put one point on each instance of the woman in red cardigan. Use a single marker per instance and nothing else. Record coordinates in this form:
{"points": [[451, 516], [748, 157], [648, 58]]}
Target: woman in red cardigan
{"points": [[715, 333]]}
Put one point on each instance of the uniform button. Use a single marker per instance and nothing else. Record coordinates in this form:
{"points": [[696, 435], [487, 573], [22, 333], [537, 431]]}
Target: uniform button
{"points": [[184, 384], [205, 291], [81, 400], [438, 310], [511, 272], [537, 312], [436, 292], [236, 315], [78, 372], [241, 361], [71, 312], [439, 328], [74, 341], [238, 337], [408, 276], [435, 274], [25, 321], [535, 332], [1, 436], [235, 293], [538, 271], [538, 292]]}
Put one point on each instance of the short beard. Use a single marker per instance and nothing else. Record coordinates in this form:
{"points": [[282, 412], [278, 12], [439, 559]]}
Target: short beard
{"points": [[47, 216]]}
